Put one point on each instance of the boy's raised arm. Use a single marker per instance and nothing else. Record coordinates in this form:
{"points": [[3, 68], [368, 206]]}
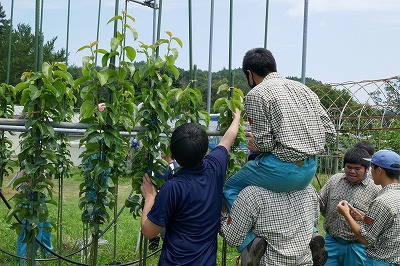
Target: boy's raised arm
{"points": [[230, 135]]}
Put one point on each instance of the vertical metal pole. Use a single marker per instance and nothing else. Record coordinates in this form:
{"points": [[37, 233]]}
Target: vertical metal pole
{"points": [[210, 46], [154, 21], [230, 42], [41, 37], [303, 65], [266, 23], [98, 28], [9, 43], [67, 42], [190, 41], [37, 32], [159, 19]]}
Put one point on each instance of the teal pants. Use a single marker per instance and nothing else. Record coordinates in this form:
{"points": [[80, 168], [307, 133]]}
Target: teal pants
{"points": [[344, 253], [269, 172]]}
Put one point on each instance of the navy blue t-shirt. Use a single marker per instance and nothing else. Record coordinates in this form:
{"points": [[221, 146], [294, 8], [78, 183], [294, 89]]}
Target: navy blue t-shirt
{"points": [[189, 207]]}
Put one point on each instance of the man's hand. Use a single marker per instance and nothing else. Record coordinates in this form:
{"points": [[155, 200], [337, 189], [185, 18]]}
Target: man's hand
{"points": [[149, 191], [250, 142]]}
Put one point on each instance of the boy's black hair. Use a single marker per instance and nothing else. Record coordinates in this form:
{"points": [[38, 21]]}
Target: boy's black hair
{"points": [[356, 156], [392, 174], [260, 61], [366, 145], [189, 144]]}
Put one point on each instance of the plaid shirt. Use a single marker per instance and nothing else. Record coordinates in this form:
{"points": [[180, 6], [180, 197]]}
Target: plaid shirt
{"points": [[381, 227], [287, 119], [285, 220], [338, 188]]}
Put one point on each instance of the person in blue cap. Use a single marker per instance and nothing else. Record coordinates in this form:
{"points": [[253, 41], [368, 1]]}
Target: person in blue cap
{"points": [[380, 227]]}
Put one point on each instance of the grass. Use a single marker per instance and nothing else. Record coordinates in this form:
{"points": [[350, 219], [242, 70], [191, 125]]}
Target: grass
{"points": [[127, 229]]}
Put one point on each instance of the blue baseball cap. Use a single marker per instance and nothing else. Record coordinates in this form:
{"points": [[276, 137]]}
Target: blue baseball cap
{"points": [[386, 159]]}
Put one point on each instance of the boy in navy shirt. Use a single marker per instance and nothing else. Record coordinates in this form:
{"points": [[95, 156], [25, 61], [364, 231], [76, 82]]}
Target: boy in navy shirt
{"points": [[189, 205]]}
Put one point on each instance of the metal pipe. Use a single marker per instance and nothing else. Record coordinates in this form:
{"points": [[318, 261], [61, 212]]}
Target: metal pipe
{"points": [[230, 42], [303, 65], [266, 23], [18, 125], [67, 41], [210, 52], [98, 30]]}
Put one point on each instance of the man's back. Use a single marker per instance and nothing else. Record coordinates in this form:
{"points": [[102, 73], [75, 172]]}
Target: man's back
{"points": [[287, 118], [189, 206], [285, 220]]}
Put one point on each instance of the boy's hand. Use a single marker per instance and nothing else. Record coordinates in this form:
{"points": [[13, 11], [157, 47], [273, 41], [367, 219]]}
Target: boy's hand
{"points": [[236, 114], [148, 189], [343, 208]]}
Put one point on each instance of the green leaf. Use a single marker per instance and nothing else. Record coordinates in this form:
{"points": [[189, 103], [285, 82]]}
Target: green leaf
{"points": [[103, 77], [133, 31], [87, 109], [178, 41], [130, 52], [61, 65], [84, 47], [114, 18], [47, 69], [34, 93], [223, 87], [114, 43]]}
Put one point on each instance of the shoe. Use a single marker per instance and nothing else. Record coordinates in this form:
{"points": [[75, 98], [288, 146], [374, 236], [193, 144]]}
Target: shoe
{"points": [[252, 253], [319, 253], [320, 258]]}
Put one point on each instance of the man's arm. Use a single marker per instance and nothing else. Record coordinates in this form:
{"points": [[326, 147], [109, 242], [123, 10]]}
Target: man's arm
{"points": [[261, 128], [330, 131], [344, 210], [149, 192], [230, 135]]}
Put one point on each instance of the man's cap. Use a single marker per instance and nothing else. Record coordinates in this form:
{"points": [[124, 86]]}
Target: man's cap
{"points": [[386, 159]]}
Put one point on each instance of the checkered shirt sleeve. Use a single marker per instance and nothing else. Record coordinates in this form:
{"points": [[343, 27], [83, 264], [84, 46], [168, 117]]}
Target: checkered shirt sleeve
{"points": [[285, 220], [381, 227], [287, 119]]}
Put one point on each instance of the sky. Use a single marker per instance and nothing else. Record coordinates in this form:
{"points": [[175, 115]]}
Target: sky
{"points": [[347, 40]]}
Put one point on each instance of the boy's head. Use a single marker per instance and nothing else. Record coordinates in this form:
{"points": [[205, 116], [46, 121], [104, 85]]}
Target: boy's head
{"points": [[189, 144], [388, 160], [366, 145], [355, 166]]}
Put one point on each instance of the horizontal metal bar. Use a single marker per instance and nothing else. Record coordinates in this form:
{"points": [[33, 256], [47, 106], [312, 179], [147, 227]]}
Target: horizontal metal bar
{"points": [[18, 125]]}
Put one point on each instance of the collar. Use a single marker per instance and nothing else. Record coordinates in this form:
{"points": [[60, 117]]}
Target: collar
{"points": [[273, 75], [192, 170]]}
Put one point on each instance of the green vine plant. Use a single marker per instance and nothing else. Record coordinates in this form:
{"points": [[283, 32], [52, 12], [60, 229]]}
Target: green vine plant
{"points": [[225, 105], [186, 104], [7, 97], [109, 108], [42, 94], [154, 81]]}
